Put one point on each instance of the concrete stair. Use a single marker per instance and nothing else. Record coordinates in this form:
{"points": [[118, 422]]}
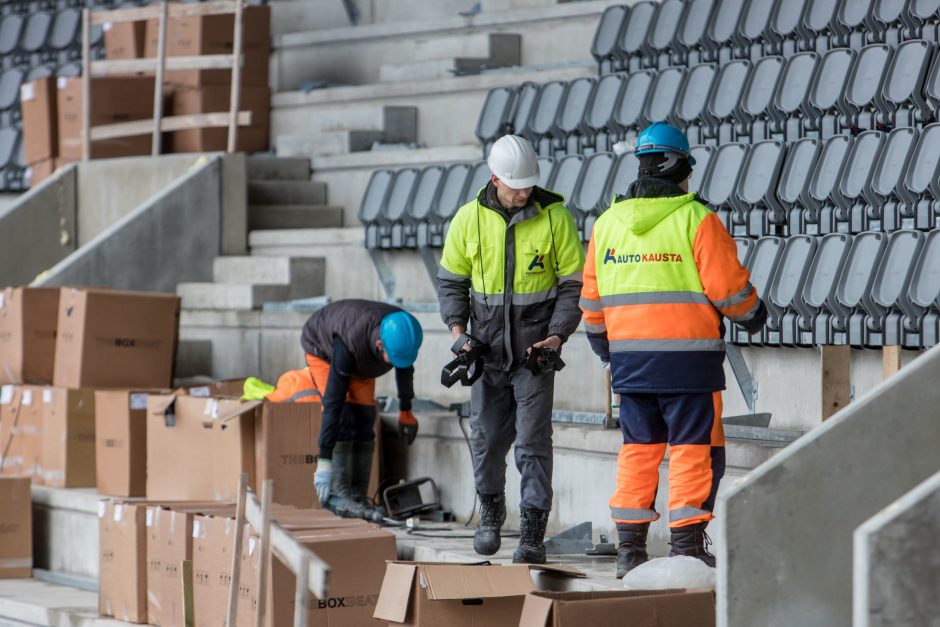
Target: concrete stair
{"points": [[286, 193], [501, 50], [229, 296], [263, 217], [303, 275]]}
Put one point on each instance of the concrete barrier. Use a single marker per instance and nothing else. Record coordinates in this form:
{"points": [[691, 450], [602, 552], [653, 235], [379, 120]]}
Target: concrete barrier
{"points": [[785, 555], [896, 564]]}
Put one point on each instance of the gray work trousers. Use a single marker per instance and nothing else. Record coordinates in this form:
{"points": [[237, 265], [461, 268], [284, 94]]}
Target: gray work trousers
{"points": [[513, 408]]}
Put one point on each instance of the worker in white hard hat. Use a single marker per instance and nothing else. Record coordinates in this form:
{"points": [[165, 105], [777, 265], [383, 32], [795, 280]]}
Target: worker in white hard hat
{"points": [[512, 267]]}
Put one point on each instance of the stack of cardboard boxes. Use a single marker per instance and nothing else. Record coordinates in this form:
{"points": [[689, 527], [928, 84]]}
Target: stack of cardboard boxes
{"points": [[52, 107]]}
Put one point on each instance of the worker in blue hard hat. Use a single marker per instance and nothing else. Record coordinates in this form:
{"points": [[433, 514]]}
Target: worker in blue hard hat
{"points": [[348, 345]]}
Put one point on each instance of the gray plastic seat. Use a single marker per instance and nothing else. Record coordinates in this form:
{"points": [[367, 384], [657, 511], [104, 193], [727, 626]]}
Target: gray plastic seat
{"points": [[35, 32], [744, 246], [10, 82], [606, 37], [822, 102], [660, 41], [11, 27], [902, 100], [544, 111], [920, 18], [426, 191], [854, 286], [794, 181], [64, 32], [819, 198], [757, 98], [39, 71], [722, 29], [589, 190], [920, 191], [755, 209], [819, 25], [790, 97], [628, 112], [703, 156], [762, 265], [69, 69], [751, 34], [546, 167], [817, 302], [449, 200], [477, 179], [525, 99], [495, 115], [786, 290], [689, 110], [569, 121], [663, 95], [860, 98], [373, 203], [719, 184], [395, 210], [887, 20], [565, 176], [598, 119], [723, 101], [854, 207], [884, 190], [783, 32], [623, 172], [690, 36], [922, 306], [881, 324], [631, 43], [853, 23]]}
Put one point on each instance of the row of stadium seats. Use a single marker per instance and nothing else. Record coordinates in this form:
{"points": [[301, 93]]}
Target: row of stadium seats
{"points": [[843, 90], [28, 40], [659, 34], [866, 290]]}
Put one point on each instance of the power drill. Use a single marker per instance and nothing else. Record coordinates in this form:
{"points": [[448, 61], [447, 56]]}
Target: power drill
{"points": [[468, 366]]}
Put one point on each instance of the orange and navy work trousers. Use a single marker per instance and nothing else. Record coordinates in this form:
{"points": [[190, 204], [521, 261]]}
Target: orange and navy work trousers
{"points": [[357, 421], [690, 425]]}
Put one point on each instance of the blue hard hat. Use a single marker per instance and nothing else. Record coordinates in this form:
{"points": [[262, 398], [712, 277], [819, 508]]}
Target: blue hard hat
{"points": [[663, 137], [401, 336]]}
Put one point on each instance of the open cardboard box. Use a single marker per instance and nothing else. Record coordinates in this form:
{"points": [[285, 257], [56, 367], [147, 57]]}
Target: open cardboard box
{"points": [[620, 608]]}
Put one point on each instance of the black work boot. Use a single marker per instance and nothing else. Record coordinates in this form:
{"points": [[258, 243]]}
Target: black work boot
{"points": [[341, 501], [631, 547], [361, 473], [531, 537], [486, 540], [692, 541]]}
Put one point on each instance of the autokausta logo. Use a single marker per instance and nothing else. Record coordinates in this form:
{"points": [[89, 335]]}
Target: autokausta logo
{"points": [[611, 256], [538, 261]]}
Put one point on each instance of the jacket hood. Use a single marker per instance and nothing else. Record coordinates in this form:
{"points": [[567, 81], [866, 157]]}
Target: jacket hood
{"points": [[648, 202]]}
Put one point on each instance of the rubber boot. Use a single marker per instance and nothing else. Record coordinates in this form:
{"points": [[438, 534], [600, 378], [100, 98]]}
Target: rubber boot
{"points": [[342, 501], [486, 540], [361, 473], [692, 541], [531, 537], [631, 547]]}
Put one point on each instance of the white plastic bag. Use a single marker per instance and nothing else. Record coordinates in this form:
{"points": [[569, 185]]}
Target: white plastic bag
{"points": [[663, 573]]}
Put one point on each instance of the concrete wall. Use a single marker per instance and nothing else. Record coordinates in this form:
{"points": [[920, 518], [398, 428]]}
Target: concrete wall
{"points": [[792, 519], [171, 238], [38, 230], [897, 566]]}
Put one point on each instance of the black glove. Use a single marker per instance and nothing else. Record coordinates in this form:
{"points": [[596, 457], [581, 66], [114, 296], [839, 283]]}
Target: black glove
{"points": [[757, 321]]}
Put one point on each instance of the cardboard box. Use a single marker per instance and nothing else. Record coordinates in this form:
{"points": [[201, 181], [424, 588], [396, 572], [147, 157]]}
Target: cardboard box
{"points": [[228, 388], [121, 437], [218, 98], [213, 537], [114, 339], [16, 528], [286, 437], [68, 438], [214, 34], [38, 100], [124, 40], [663, 608], [21, 431], [197, 447], [40, 171], [424, 594], [29, 317], [123, 565], [114, 99]]}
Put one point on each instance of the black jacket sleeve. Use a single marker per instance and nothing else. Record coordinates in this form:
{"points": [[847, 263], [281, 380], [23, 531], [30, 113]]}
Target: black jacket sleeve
{"points": [[405, 379], [334, 397]]}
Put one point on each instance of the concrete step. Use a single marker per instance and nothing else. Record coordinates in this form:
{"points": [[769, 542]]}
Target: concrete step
{"points": [[327, 143], [294, 16], [229, 296], [278, 169], [286, 193], [262, 217], [304, 275], [65, 532], [501, 50]]}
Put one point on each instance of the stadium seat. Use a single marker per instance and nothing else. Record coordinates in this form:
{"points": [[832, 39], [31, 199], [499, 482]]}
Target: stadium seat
{"points": [[884, 189], [920, 17], [756, 100], [783, 32], [373, 203], [819, 28], [762, 264], [423, 201], [495, 116], [598, 121], [854, 286], [786, 289], [660, 41], [631, 43], [663, 95], [724, 99], [879, 321], [622, 173], [820, 311], [39, 71], [565, 176], [11, 27], [793, 183], [607, 36], [546, 167], [70, 69], [628, 112], [755, 211], [887, 21], [689, 110], [64, 34], [745, 246], [449, 200], [853, 24], [720, 182], [542, 119], [690, 36], [525, 99], [822, 102], [920, 191], [477, 179], [35, 34], [588, 195], [719, 40], [863, 88], [922, 305], [852, 214], [819, 217], [902, 100], [569, 120], [790, 97], [391, 226], [751, 33], [10, 82], [703, 156]]}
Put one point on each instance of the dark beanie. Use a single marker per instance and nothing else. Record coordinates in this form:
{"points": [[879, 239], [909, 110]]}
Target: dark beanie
{"points": [[649, 166]]}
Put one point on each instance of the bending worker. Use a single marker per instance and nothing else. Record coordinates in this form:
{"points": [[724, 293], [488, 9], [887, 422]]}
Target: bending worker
{"points": [[349, 344], [660, 274], [512, 267]]}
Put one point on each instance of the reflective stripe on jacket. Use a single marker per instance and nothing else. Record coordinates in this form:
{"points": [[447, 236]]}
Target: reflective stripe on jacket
{"points": [[660, 273]]}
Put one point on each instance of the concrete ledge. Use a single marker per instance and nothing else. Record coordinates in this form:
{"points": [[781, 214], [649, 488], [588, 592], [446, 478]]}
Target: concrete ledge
{"points": [[375, 159], [32, 602], [65, 532]]}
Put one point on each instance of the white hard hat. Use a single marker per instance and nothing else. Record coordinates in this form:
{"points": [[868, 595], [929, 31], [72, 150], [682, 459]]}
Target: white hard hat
{"points": [[514, 162]]}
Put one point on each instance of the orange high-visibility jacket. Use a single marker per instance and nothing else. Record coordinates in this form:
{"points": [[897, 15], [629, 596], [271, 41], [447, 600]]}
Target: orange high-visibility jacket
{"points": [[659, 274], [295, 386]]}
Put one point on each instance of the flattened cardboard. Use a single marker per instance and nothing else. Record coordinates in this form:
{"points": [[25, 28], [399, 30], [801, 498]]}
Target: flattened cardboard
{"points": [[68, 437], [29, 317], [38, 100], [627, 608], [121, 441], [123, 564], [16, 528], [115, 339]]}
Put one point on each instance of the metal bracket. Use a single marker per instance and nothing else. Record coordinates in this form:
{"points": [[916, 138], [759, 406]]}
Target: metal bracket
{"points": [[430, 265], [575, 540], [385, 272], [742, 374]]}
